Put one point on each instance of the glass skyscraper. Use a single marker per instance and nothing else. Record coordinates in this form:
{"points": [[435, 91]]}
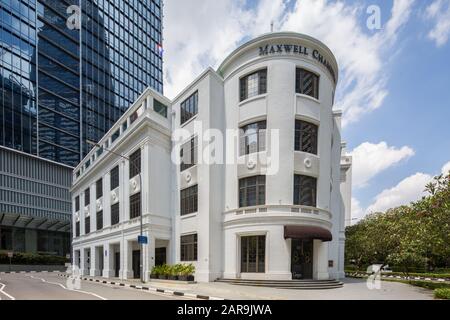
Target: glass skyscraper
{"points": [[66, 80]]}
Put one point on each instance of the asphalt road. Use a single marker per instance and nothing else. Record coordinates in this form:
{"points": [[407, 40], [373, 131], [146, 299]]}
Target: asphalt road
{"points": [[48, 286]]}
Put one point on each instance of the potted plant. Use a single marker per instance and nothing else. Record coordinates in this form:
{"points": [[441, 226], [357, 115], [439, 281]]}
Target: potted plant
{"points": [[156, 270], [164, 271], [172, 272], [187, 272]]}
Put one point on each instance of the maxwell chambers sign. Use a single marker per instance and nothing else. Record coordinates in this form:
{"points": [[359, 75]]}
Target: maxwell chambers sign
{"points": [[295, 49]]}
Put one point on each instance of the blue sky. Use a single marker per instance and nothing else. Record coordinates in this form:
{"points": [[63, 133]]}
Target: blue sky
{"points": [[394, 82]]}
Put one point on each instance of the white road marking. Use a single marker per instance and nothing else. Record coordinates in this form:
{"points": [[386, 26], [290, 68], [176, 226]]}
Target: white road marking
{"points": [[65, 288], [2, 287]]}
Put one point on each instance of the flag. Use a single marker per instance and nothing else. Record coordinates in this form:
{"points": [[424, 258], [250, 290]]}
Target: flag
{"points": [[160, 49]]}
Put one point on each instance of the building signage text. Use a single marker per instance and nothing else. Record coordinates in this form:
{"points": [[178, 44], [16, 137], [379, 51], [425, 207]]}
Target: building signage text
{"points": [[296, 49]]}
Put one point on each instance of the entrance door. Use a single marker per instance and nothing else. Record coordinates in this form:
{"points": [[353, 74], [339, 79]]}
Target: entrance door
{"points": [[301, 259], [160, 256], [116, 264], [136, 264]]}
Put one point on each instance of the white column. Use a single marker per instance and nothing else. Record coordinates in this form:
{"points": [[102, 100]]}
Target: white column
{"points": [[107, 200], [108, 269], [82, 261], [76, 258], [320, 260], [149, 102], [82, 215], [124, 178], [93, 271], [93, 208], [149, 256], [74, 221], [126, 259], [145, 176]]}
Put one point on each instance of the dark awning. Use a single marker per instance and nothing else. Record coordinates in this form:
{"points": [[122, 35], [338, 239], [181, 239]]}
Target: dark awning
{"points": [[307, 232]]}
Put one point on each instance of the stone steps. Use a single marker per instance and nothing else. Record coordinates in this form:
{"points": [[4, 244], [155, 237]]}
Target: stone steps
{"points": [[286, 284]]}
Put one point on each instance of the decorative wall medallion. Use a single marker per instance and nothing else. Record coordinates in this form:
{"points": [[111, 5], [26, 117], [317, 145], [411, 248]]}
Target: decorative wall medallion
{"points": [[308, 163], [251, 164], [99, 205], [188, 177], [134, 184]]}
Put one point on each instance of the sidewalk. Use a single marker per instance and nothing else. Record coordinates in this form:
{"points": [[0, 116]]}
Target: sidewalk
{"points": [[354, 289]]}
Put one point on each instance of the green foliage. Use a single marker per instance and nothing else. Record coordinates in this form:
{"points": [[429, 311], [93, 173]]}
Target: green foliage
{"points": [[188, 270], [442, 293], [22, 258], [174, 270], [429, 284], [413, 237]]}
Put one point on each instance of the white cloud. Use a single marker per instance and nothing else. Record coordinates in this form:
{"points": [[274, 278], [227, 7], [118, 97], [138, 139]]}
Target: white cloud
{"points": [[446, 168], [408, 190], [439, 13], [358, 211], [201, 33], [371, 159]]}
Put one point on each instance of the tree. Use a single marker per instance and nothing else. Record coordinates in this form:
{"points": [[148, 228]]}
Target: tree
{"points": [[414, 236]]}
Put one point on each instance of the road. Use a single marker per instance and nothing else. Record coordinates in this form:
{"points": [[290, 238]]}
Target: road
{"points": [[49, 286]]}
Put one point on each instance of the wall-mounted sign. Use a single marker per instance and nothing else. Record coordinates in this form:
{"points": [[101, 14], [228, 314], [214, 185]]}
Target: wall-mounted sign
{"points": [[297, 50]]}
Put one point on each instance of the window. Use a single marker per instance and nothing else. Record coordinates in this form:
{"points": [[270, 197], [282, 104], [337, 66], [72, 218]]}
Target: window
{"points": [[189, 200], [135, 163], [100, 220], [77, 203], [306, 137], [77, 229], [160, 108], [115, 135], [87, 197], [135, 205], [253, 84], [252, 191], [114, 178], [188, 154], [189, 107], [253, 138], [115, 218], [305, 190], [253, 254], [99, 188], [307, 83], [188, 248], [87, 225]]}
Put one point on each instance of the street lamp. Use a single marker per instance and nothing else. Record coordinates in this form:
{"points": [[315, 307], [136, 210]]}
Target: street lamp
{"points": [[140, 188]]}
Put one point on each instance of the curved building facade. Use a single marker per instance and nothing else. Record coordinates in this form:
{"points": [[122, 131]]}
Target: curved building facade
{"points": [[299, 224], [267, 203]]}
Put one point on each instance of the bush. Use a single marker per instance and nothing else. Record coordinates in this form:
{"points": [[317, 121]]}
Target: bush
{"points": [[425, 275], [173, 271], [24, 258], [430, 285], [442, 293], [188, 270], [156, 270]]}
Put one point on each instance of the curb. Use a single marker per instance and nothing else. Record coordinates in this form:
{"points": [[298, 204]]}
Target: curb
{"points": [[356, 274], [147, 288]]}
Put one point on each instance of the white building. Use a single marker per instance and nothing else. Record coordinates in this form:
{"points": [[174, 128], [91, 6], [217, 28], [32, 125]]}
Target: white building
{"points": [[243, 219]]}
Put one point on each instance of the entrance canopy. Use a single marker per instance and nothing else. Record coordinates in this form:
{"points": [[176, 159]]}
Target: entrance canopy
{"points": [[307, 233]]}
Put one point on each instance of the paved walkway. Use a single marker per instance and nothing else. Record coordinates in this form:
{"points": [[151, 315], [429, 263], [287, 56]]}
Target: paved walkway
{"points": [[354, 289]]}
